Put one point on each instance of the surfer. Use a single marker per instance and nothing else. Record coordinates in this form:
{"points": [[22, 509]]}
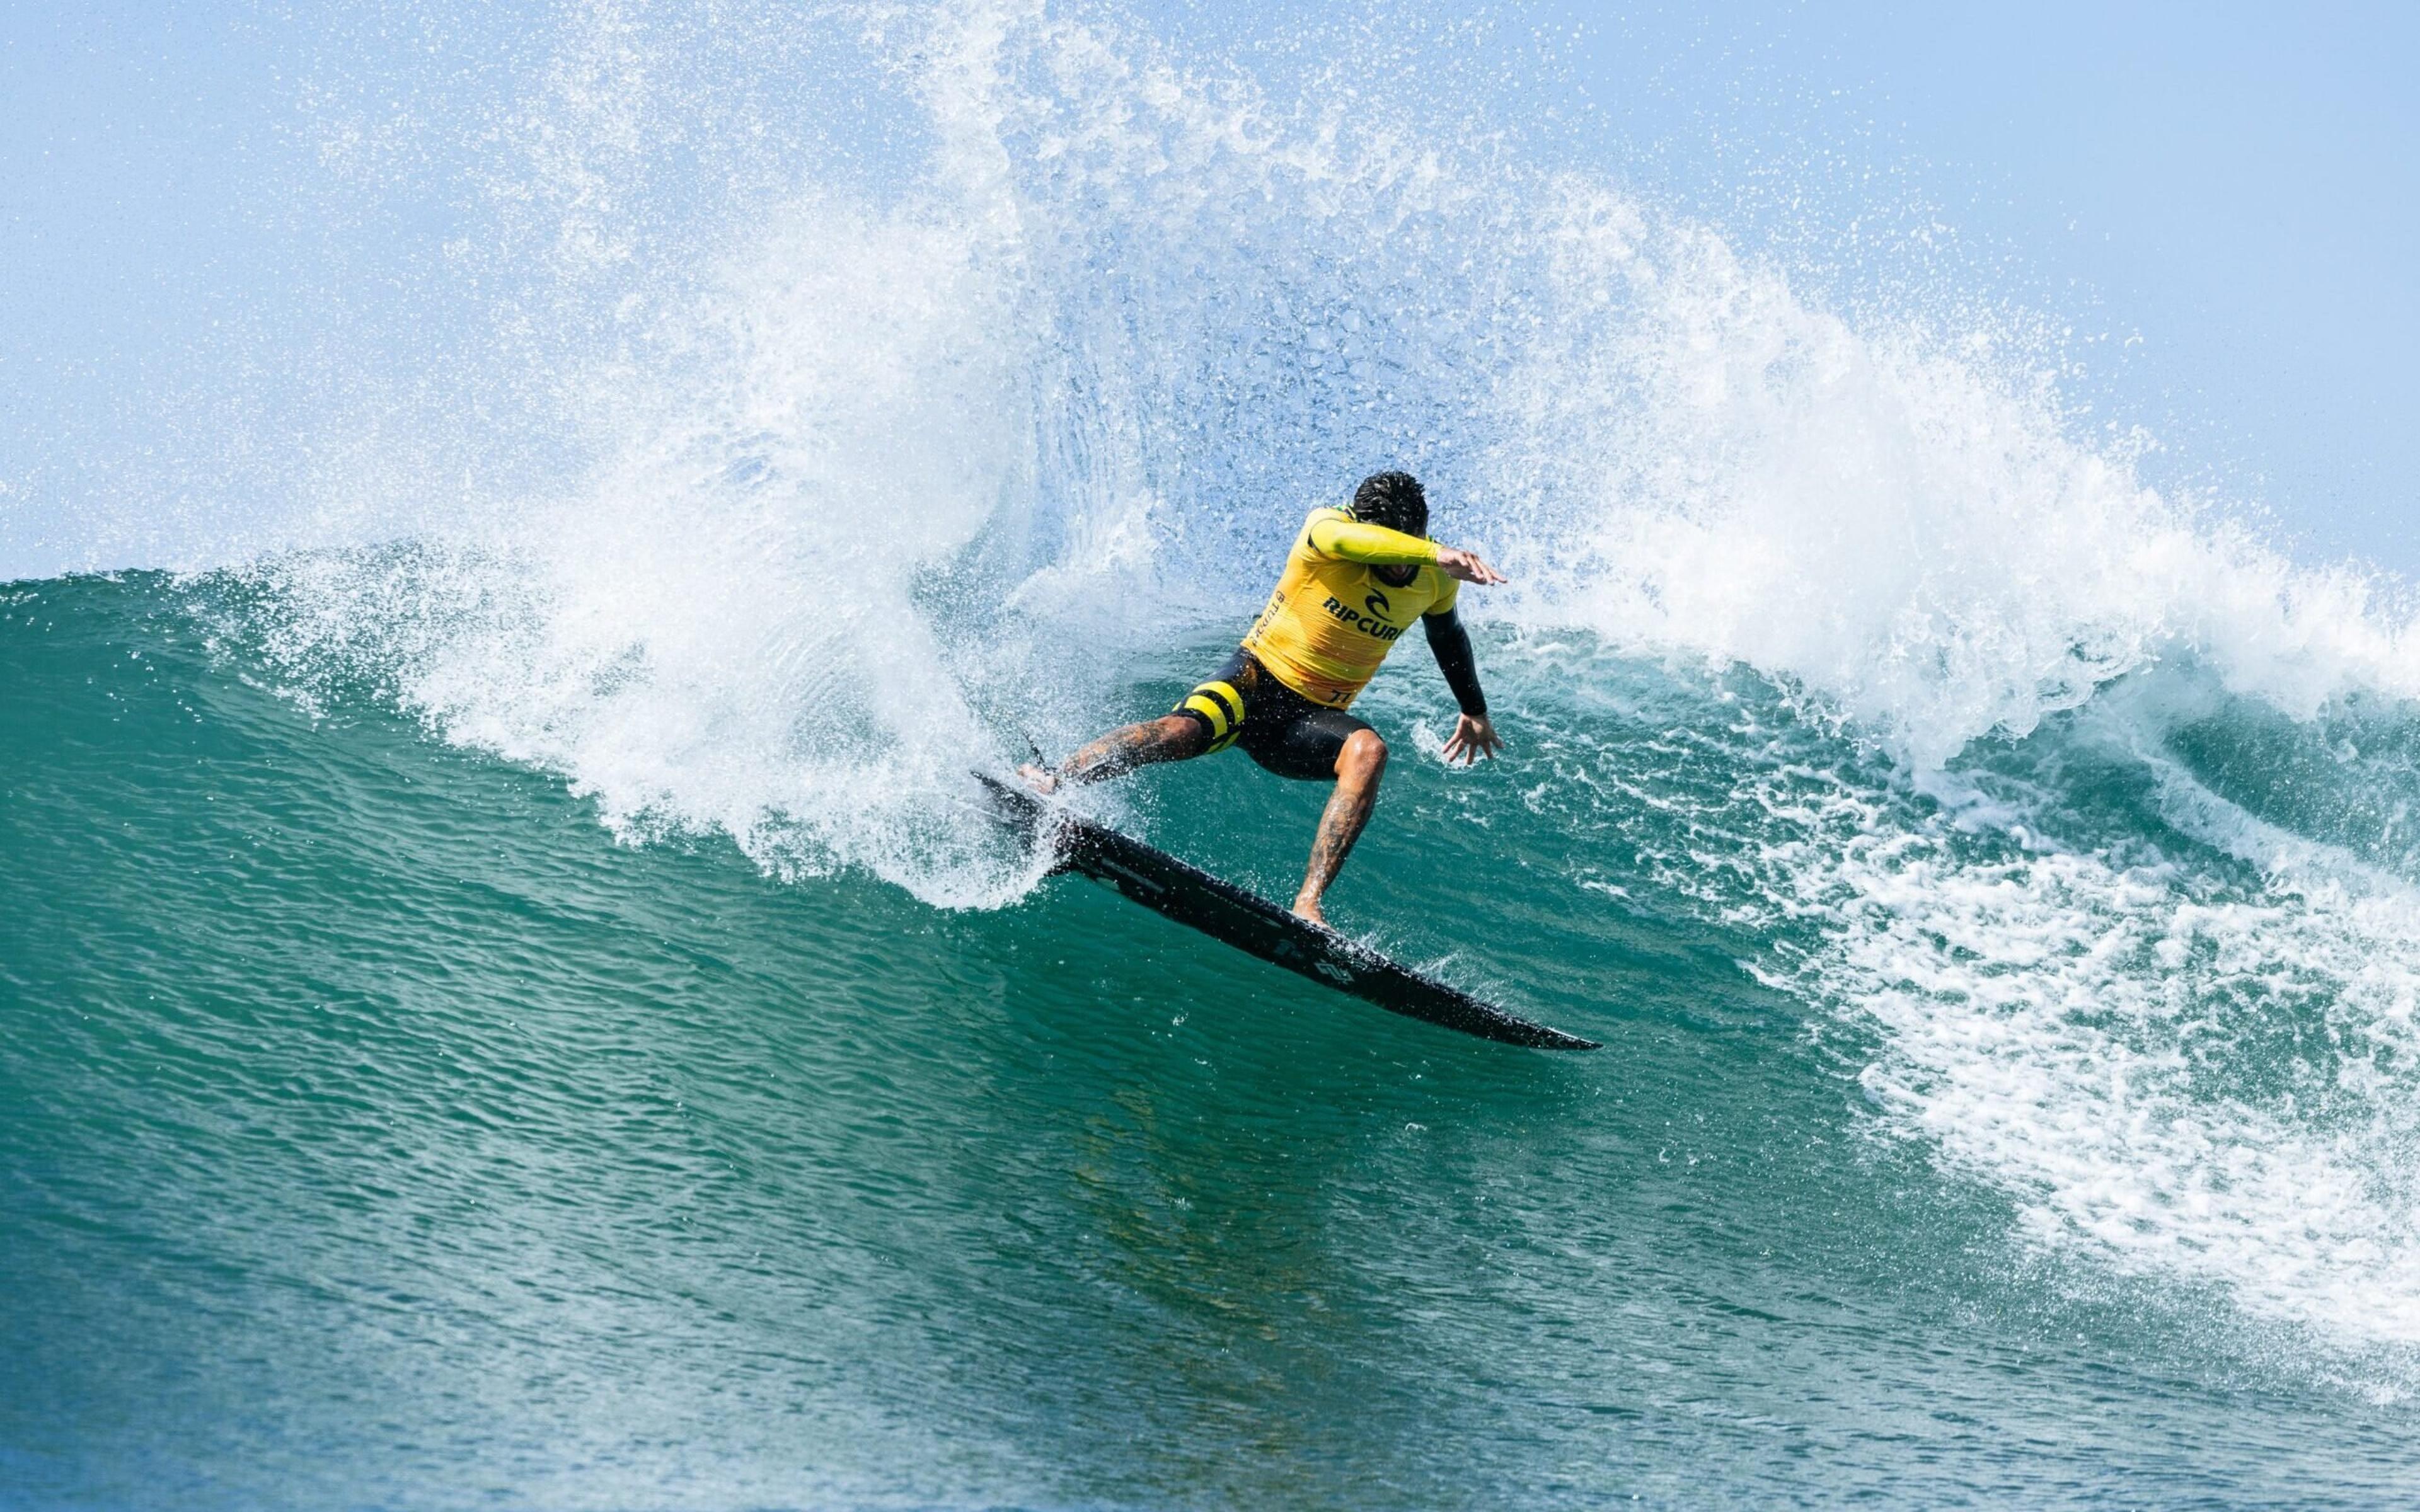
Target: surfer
{"points": [[1354, 582]]}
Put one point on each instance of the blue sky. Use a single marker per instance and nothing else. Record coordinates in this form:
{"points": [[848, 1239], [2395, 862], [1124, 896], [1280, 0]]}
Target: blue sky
{"points": [[2237, 186], [2229, 193]]}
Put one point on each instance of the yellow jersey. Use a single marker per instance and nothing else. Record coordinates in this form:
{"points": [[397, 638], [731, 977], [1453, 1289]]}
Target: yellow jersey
{"points": [[1332, 620]]}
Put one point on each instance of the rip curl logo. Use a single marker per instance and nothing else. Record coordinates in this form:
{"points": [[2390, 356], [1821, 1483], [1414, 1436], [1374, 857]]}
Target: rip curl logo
{"points": [[1370, 625], [1376, 603]]}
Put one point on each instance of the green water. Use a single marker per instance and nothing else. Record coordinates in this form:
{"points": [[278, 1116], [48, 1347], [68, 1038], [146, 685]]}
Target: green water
{"points": [[380, 1132]]}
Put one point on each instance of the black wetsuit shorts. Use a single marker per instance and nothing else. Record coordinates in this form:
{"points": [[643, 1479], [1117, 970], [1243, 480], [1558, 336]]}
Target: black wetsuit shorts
{"points": [[1246, 706]]}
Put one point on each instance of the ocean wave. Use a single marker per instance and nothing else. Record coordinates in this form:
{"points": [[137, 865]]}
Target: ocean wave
{"points": [[895, 483]]}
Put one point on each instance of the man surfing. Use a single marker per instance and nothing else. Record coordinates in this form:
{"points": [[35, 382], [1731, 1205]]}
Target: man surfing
{"points": [[1354, 582]]}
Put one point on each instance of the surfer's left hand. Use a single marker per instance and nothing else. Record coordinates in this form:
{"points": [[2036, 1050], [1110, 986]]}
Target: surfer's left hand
{"points": [[1473, 737], [1468, 567]]}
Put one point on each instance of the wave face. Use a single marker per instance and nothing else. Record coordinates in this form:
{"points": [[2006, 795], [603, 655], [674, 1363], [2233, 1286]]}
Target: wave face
{"points": [[1994, 877]]}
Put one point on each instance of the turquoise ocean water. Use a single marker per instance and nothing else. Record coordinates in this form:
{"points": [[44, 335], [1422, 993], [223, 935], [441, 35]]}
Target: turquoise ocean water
{"points": [[512, 1000]]}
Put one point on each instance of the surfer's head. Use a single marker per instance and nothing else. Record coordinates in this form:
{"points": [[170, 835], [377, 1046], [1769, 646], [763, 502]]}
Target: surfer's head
{"points": [[1394, 500]]}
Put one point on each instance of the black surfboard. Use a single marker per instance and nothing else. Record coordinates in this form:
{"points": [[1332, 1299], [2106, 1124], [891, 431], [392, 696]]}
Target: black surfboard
{"points": [[1255, 926]]}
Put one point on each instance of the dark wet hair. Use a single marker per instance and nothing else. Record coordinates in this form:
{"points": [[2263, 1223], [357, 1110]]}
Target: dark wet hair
{"points": [[1394, 500]]}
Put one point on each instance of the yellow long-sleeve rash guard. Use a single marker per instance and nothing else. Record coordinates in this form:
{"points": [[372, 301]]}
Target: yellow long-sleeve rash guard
{"points": [[1330, 622]]}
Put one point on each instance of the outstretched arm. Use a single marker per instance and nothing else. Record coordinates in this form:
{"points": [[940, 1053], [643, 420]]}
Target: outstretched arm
{"points": [[1473, 734], [1352, 540]]}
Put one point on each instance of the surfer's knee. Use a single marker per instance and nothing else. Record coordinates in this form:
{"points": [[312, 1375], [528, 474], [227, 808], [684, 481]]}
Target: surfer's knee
{"points": [[1364, 756]]}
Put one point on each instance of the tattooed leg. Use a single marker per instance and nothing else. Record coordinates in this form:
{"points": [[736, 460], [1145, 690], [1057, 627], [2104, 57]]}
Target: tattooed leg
{"points": [[1173, 738], [1358, 768]]}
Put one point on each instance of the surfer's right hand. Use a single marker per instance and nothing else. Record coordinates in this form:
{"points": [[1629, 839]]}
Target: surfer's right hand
{"points": [[1456, 563], [1040, 781], [1474, 735]]}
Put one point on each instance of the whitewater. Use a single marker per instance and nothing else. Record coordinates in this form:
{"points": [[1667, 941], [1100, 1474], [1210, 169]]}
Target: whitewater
{"points": [[513, 993]]}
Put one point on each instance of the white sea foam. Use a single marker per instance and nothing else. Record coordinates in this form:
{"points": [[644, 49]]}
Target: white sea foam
{"points": [[1884, 516], [2188, 1080]]}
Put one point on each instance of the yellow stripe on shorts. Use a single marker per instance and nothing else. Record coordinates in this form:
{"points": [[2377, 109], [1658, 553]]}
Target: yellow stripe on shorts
{"points": [[1220, 704]]}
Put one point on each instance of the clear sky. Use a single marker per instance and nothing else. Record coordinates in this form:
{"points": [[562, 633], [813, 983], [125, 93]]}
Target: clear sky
{"points": [[2230, 192], [2238, 186]]}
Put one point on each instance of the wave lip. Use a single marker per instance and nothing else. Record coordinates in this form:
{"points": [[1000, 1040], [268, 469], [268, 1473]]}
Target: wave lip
{"points": [[1899, 524]]}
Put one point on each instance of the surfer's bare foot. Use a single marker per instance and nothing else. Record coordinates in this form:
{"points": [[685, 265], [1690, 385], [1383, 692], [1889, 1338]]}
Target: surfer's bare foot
{"points": [[1041, 781], [1359, 764]]}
